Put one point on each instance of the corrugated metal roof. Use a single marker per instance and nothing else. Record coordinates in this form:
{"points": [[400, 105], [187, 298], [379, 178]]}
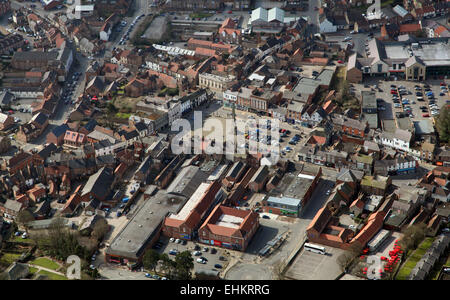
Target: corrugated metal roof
{"points": [[259, 14], [276, 14]]}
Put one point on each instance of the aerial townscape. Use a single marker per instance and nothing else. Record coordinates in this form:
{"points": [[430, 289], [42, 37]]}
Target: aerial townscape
{"points": [[347, 102]]}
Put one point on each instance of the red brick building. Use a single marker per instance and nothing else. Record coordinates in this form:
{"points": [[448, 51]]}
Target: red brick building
{"points": [[183, 224], [229, 227]]}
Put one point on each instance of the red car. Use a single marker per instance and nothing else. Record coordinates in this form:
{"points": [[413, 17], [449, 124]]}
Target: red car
{"points": [[230, 12], [426, 115], [393, 92], [340, 62]]}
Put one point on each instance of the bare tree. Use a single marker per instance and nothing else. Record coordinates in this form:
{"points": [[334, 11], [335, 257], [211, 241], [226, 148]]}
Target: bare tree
{"points": [[345, 259], [24, 216]]}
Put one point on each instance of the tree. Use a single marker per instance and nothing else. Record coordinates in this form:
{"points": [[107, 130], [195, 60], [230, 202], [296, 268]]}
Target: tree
{"points": [[345, 259], [60, 242], [101, 228], [150, 259], [167, 266], [443, 124], [24, 216], [184, 263], [412, 236], [112, 109]]}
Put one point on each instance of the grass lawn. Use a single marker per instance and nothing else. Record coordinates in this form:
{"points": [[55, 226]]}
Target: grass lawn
{"points": [[33, 270], [8, 258], [123, 115], [413, 259], [200, 15], [19, 239], [46, 263], [52, 276]]}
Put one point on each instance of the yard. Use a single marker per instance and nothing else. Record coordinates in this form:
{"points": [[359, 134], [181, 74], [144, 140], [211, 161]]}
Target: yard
{"points": [[126, 104], [19, 239], [45, 263], [413, 259], [7, 259], [51, 275], [341, 86]]}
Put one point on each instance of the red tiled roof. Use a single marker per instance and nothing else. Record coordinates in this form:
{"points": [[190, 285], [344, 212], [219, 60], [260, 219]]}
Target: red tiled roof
{"points": [[74, 137], [205, 51], [440, 30], [410, 28], [230, 31], [373, 225], [329, 106], [320, 220], [315, 139], [358, 203], [249, 220], [196, 214], [228, 23]]}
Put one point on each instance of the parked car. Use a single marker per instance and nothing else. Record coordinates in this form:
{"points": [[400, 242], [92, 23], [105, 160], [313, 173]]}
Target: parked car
{"points": [[219, 266], [201, 261]]}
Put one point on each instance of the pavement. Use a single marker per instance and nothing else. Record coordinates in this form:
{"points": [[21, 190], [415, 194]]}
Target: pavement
{"points": [[313, 266]]}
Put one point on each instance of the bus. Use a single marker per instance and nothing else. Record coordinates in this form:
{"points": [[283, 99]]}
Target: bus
{"points": [[315, 248]]}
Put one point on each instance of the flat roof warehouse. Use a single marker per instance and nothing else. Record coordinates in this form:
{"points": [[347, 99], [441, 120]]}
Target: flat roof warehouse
{"points": [[144, 225]]}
